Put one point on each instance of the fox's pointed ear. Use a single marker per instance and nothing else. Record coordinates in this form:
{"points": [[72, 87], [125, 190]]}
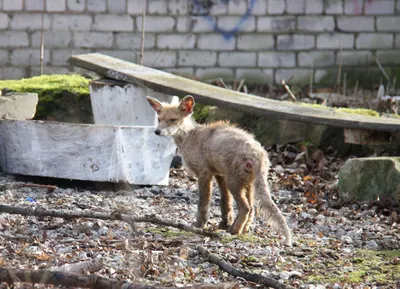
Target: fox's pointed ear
{"points": [[187, 104], [155, 104]]}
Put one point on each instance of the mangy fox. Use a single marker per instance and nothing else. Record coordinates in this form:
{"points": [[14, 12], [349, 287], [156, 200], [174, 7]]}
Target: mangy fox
{"points": [[229, 154]]}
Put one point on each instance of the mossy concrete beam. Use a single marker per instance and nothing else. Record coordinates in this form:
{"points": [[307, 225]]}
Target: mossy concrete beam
{"points": [[61, 97]]}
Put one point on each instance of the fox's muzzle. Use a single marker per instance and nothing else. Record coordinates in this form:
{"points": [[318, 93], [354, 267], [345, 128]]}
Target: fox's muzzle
{"points": [[157, 132]]}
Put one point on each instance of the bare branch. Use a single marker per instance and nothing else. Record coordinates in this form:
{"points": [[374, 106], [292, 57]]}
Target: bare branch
{"points": [[67, 214], [225, 266], [240, 85], [11, 275], [91, 266], [288, 90], [383, 71]]}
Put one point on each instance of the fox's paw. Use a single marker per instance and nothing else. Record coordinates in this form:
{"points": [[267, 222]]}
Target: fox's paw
{"points": [[224, 225], [234, 230], [287, 240], [246, 229]]}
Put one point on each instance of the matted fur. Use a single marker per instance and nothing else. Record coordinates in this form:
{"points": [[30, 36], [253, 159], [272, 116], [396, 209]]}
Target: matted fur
{"points": [[229, 154]]}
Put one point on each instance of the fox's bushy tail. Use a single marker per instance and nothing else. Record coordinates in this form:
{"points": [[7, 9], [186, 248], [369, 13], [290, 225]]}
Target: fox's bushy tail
{"points": [[268, 209]]}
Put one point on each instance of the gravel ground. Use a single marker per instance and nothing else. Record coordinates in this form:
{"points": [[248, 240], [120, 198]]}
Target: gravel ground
{"points": [[337, 245]]}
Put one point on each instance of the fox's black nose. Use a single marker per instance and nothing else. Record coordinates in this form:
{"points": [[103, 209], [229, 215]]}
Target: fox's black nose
{"points": [[157, 132]]}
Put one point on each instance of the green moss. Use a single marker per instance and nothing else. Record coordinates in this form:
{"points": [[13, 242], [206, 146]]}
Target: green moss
{"points": [[51, 89], [248, 238], [364, 266], [314, 105], [361, 111], [45, 84], [201, 112], [166, 233]]}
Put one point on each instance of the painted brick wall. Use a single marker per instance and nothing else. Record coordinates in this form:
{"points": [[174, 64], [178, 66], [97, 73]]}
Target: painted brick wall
{"points": [[261, 40]]}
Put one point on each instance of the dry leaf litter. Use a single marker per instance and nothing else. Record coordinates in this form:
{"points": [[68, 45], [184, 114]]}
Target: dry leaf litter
{"points": [[338, 245]]}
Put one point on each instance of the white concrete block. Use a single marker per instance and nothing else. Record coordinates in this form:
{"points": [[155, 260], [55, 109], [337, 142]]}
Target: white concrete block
{"points": [[120, 103], [132, 154]]}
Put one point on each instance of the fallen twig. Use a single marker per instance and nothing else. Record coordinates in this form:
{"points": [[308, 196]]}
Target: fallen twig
{"points": [[91, 266], [218, 83], [344, 83], [245, 90], [223, 83], [68, 214], [225, 266], [288, 90], [240, 85], [383, 71], [14, 237], [179, 225], [164, 197], [311, 83], [339, 75], [337, 83], [11, 275], [355, 88], [49, 188], [394, 85]]}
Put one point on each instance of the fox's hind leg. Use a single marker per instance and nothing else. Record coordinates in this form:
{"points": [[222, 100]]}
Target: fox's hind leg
{"points": [[238, 190], [225, 204], [205, 186], [250, 199]]}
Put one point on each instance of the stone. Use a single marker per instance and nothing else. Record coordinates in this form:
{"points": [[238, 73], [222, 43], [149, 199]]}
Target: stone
{"points": [[366, 179], [20, 106], [372, 245]]}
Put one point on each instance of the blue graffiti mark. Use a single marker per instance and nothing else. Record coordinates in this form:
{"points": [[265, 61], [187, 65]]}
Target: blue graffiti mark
{"points": [[227, 34]]}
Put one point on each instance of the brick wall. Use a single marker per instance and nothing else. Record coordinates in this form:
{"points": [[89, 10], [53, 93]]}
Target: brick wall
{"points": [[260, 40]]}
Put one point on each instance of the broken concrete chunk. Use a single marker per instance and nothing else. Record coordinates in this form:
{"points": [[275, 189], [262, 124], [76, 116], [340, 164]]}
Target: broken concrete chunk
{"points": [[367, 179], [19, 106]]}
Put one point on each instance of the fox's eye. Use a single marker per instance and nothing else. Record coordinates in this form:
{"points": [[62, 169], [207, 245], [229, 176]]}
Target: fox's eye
{"points": [[159, 120], [173, 119]]}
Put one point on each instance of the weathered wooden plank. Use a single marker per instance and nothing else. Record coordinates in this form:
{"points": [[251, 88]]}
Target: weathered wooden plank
{"points": [[121, 103], [85, 152], [172, 84]]}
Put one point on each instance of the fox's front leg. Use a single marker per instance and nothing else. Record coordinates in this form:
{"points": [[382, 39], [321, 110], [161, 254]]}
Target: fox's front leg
{"points": [[205, 186]]}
